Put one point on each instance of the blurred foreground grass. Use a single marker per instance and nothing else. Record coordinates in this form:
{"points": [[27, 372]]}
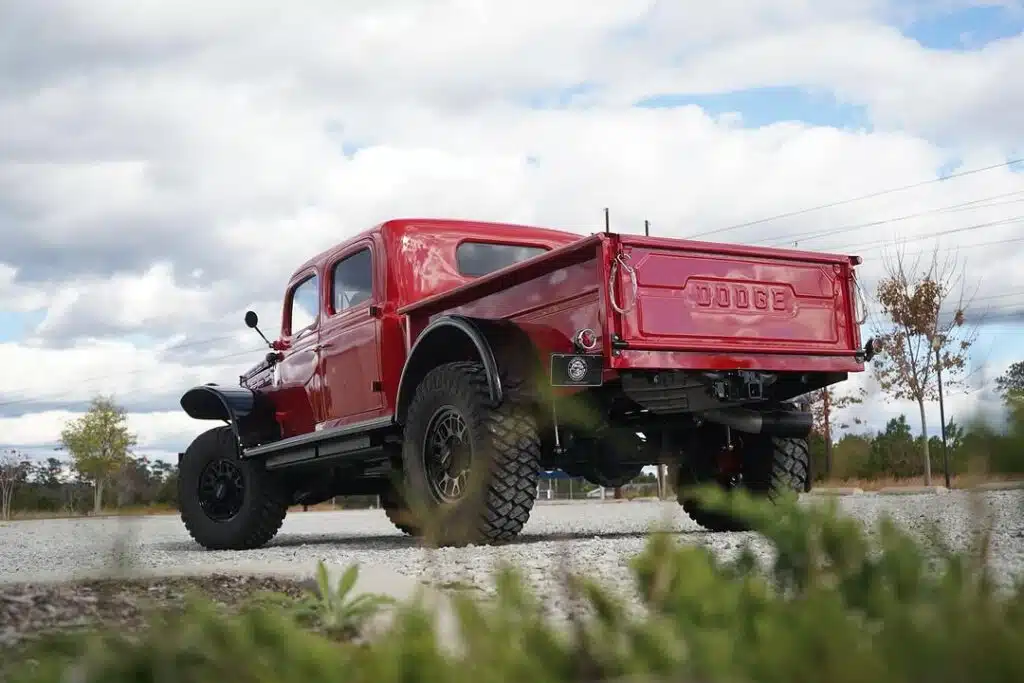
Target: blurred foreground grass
{"points": [[836, 604]]}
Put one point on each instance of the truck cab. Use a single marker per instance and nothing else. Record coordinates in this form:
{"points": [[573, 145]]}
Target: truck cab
{"points": [[342, 344]]}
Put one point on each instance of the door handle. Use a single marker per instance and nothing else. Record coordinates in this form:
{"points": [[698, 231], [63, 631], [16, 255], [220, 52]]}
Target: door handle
{"points": [[321, 347]]}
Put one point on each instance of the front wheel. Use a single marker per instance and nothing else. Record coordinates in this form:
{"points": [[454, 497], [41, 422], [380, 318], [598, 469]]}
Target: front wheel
{"points": [[227, 503], [471, 467], [765, 466]]}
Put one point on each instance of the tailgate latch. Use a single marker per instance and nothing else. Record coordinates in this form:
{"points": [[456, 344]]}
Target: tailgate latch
{"points": [[622, 260]]}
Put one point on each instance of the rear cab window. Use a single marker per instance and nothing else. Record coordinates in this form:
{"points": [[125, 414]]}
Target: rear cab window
{"points": [[475, 259]]}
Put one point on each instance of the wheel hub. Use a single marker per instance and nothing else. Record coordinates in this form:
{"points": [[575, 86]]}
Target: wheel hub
{"points": [[447, 454], [221, 490]]}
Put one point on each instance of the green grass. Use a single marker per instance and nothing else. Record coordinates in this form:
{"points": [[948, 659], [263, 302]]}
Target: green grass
{"points": [[838, 603]]}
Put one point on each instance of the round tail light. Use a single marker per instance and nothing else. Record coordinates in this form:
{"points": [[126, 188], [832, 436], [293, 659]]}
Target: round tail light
{"points": [[586, 340]]}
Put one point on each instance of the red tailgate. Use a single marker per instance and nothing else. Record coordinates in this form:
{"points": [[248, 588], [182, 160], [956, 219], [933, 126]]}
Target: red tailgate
{"points": [[699, 296]]}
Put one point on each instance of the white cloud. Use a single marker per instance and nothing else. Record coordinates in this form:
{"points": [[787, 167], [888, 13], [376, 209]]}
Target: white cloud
{"points": [[36, 376], [167, 166], [17, 298], [151, 429]]}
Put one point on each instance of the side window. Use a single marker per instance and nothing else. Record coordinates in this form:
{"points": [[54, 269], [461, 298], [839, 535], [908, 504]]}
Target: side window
{"points": [[480, 258], [352, 281], [305, 304]]}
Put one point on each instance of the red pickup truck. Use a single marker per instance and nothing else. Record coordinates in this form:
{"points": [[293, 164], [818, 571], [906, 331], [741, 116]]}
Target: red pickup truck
{"points": [[443, 365]]}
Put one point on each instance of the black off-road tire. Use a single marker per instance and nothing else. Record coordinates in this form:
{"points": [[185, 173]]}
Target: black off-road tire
{"points": [[264, 502], [505, 460], [773, 467], [398, 512]]}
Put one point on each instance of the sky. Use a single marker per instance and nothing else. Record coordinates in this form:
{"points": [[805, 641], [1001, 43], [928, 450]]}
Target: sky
{"points": [[164, 166]]}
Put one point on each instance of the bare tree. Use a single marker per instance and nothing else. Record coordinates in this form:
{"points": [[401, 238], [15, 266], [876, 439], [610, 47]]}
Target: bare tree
{"points": [[12, 472], [924, 333]]}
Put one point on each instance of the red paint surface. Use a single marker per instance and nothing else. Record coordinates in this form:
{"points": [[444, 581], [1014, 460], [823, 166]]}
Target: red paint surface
{"points": [[692, 298], [700, 306]]}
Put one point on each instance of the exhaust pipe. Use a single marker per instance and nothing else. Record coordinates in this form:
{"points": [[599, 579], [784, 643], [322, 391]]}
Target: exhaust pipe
{"points": [[783, 423]]}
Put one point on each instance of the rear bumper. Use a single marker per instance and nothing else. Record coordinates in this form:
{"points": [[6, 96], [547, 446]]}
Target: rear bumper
{"points": [[650, 359]]}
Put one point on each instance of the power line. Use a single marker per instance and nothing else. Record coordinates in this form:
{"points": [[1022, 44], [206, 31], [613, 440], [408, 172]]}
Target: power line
{"points": [[871, 195], [973, 245], [813, 235], [173, 347], [57, 397], [969, 228]]}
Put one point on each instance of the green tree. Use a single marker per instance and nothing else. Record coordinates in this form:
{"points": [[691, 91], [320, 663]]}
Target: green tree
{"points": [[895, 452], [99, 443], [924, 334], [851, 457], [1011, 382], [51, 474]]}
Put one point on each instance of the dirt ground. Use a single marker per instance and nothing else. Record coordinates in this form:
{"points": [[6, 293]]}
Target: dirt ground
{"points": [[28, 610]]}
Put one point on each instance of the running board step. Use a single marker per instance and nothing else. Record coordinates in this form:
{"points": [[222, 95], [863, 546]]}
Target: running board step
{"points": [[342, 441]]}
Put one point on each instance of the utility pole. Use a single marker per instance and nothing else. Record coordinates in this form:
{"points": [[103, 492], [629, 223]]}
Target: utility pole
{"points": [[936, 346]]}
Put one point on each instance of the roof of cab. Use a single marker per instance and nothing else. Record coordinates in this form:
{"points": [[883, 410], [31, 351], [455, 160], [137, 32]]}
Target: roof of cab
{"points": [[396, 227]]}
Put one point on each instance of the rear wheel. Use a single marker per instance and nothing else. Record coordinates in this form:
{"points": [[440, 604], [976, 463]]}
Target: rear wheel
{"points": [[398, 511], [765, 466], [227, 503], [471, 468]]}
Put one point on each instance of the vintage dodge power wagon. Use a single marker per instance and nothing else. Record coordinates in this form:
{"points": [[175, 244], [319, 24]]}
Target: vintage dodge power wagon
{"points": [[443, 365]]}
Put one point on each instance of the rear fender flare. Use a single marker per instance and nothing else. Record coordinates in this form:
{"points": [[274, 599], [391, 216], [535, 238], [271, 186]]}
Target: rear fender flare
{"points": [[446, 340], [213, 402], [502, 347]]}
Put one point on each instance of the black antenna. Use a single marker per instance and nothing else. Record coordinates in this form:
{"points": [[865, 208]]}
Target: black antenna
{"points": [[647, 228], [607, 221]]}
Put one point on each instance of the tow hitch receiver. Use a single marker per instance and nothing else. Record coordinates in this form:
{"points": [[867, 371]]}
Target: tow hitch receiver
{"points": [[742, 385]]}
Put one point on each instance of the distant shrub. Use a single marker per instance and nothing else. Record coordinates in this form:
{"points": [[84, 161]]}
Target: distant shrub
{"points": [[837, 603]]}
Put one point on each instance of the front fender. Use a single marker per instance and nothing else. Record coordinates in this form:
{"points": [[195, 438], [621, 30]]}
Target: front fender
{"points": [[212, 402]]}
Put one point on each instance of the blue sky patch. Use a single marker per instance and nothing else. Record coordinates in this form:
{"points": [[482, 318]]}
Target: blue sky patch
{"points": [[765, 106], [998, 344], [970, 28], [17, 326], [558, 98]]}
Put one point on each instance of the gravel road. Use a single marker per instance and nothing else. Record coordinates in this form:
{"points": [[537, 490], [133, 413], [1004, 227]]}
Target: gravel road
{"points": [[596, 538]]}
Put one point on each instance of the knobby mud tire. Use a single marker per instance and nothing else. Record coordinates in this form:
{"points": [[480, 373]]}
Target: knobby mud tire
{"points": [[264, 505], [505, 460], [775, 467], [398, 512]]}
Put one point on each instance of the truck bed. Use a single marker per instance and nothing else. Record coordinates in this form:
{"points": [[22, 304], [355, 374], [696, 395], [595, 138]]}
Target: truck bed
{"points": [[694, 298], [673, 303]]}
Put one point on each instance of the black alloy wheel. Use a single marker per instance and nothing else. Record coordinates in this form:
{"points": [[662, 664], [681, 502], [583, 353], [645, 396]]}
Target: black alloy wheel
{"points": [[447, 455], [221, 491]]}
